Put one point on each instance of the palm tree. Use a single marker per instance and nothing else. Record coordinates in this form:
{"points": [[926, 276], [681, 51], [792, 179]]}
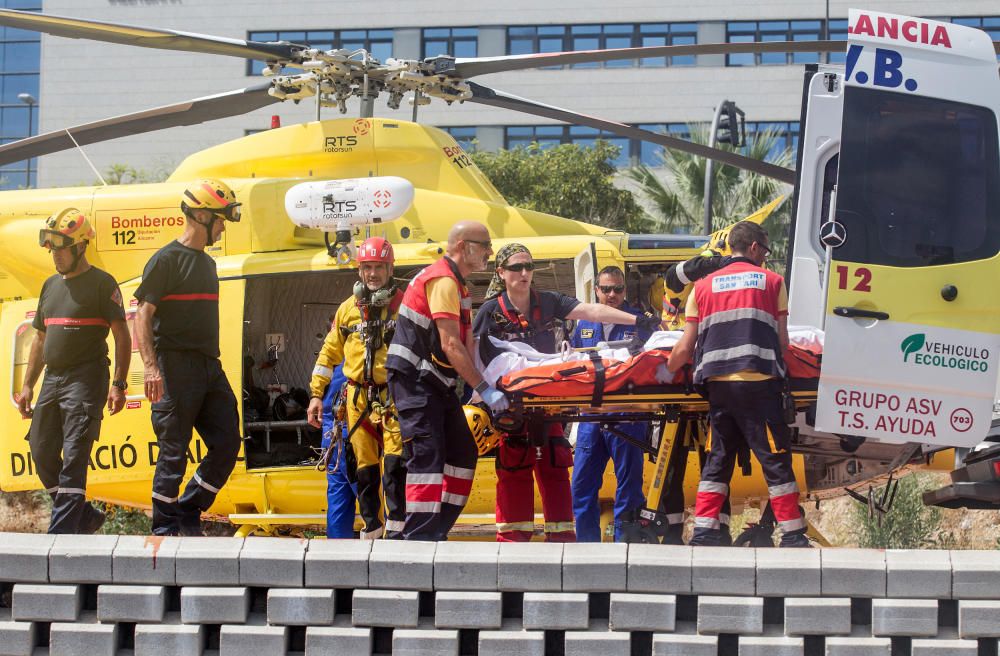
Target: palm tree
{"points": [[675, 194]]}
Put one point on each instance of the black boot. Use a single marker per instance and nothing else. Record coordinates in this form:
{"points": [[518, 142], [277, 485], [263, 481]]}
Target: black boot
{"points": [[795, 539]]}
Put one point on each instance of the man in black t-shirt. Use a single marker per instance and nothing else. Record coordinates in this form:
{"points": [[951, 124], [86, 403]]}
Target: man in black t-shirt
{"points": [[76, 309], [177, 330]]}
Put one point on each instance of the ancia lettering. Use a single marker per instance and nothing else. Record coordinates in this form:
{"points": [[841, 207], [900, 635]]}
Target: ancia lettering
{"points": [[886, 27], [144, 221]]}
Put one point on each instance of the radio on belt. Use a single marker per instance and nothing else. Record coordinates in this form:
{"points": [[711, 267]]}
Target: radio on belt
{"points": [[338, 206]]}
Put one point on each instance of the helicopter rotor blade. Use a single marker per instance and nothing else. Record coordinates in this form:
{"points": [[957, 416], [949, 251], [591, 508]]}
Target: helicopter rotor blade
{"points": [[145, 37], [486, 96], [472, 66], [190, 112]]}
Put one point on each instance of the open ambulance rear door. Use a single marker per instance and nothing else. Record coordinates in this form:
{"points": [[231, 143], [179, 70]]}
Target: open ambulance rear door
{"points": [[913, 300]]}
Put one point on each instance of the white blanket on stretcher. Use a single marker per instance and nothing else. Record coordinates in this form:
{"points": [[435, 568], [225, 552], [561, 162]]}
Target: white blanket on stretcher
{"points": [[517, 355]]}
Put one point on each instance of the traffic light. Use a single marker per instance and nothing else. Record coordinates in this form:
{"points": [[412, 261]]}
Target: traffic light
{"points": [[732, 126]]}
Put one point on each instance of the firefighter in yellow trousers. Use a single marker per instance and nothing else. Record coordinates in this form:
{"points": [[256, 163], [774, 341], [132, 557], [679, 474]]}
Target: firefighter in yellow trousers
{"points": [[359, 338]]}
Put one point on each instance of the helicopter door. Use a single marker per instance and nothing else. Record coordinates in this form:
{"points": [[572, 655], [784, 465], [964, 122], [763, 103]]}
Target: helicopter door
{"points": [[585, 274], [912, 344]]}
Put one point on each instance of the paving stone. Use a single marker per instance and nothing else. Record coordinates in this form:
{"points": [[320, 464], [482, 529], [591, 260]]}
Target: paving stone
{"points": [[131, 603], [240, 640], [530, 566], [642, 612], [672, 644], [743, 615], [659, 568], [169, 639], [466, 566], [918, 574], [944, 648], [81, 558], [556, 610], [214, 605], [266, 562], [337, 563], [598, 642], [905, 617], [786, 572], [512, 643], [771, 646], [24, 557], [979, 618], [467, 610], [399, 564], [975, 574], [396, 608], [83, 639], [858, 646], [323, 640], [817, 616], [17, 638], [150, 560], [595, 567], [46, 603], [423, 642], [208, 561], [300, 607], [853, 572], [733, 572]]}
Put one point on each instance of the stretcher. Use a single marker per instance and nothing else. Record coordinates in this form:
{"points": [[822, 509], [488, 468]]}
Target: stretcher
{"points": [[638, 388]]}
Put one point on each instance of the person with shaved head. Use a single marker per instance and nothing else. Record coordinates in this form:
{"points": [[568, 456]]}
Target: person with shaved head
{"points": [[431, 350]]}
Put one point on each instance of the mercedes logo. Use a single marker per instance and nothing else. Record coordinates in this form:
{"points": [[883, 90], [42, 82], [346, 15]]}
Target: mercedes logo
{"points": [[833, 234]]}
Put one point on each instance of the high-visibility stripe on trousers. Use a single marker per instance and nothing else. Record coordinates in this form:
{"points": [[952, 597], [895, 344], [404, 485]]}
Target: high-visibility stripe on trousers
{"points": [[65, 423], [517, 461], [440, 457], [746, 412]]}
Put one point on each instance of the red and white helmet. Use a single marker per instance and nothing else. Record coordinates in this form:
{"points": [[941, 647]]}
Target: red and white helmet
{"points": [[376, 249]]}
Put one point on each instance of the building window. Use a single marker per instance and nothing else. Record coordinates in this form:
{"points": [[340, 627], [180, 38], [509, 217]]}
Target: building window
{"points": [[19, 81], [989, 24], [377, 42], [631, 151], [465, 136], [765, 31], [522, 40], [787, 133], [454, 41]]}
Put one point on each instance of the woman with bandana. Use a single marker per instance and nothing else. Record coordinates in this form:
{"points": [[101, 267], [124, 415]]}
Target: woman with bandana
{"points": [[515, 311]]}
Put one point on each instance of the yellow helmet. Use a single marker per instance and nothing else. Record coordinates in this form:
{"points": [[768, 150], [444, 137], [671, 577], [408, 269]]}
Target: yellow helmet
{"points": [[481, 428], [211, 195], [65, 228]]}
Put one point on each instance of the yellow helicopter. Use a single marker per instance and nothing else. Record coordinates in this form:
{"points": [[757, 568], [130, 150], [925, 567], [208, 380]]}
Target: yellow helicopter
{"points": [[285, 267]]}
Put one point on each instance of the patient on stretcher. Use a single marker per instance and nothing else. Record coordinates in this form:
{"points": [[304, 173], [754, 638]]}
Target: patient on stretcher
{"points": [[576, 371]]}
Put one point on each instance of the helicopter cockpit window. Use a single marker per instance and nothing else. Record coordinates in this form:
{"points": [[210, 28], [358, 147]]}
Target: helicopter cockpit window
{"points": [[917, 181]]}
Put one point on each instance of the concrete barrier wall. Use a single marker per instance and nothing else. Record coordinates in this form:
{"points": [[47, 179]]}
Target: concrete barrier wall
{"points": [[93, 595]]}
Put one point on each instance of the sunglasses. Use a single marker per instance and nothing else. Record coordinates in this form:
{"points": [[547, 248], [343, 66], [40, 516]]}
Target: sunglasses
{"points": [[767, 249], [488, 245], [607, 289], [54, 240], [519, 267]]}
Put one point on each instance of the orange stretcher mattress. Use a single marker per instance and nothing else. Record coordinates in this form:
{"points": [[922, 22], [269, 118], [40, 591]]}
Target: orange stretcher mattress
{"points": [[647, 370]]}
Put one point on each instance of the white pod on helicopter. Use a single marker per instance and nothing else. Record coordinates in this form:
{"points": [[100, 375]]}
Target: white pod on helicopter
{"points": [[332, 205]]}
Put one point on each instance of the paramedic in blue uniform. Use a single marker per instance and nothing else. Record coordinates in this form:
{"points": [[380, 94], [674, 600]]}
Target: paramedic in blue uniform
{"points": [[341, 494], [736, 328], [516, 312], [595, 446]]}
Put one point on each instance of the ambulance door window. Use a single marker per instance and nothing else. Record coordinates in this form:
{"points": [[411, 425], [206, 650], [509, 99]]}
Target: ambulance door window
{"points": [[917, 180]]}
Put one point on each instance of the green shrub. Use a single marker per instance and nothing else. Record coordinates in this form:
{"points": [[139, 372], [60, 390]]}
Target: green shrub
{"points": [[909, 524]]}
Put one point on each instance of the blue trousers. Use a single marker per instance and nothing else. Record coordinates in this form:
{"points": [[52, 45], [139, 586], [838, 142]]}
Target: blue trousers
{"points": [[341, 495], [594, 448]]}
